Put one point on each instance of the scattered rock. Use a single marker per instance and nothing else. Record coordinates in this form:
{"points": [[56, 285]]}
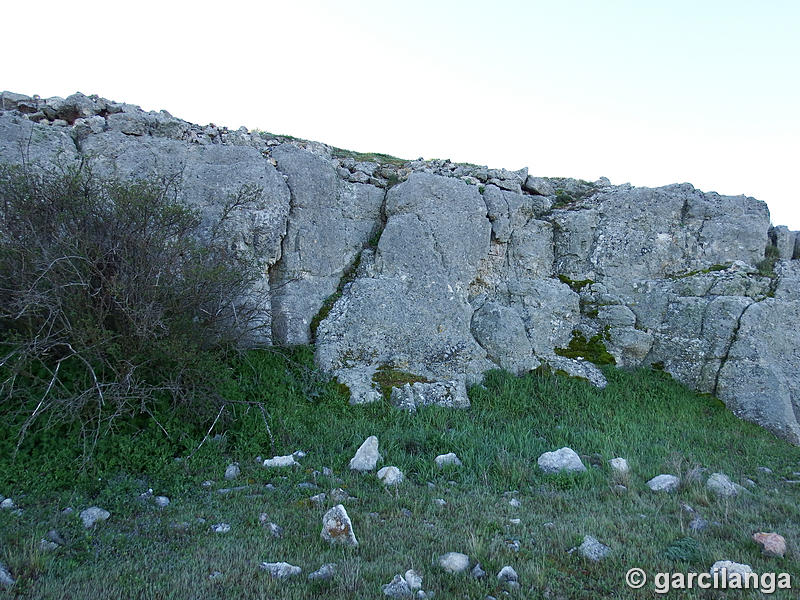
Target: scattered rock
{"points": [[281, 461], [215, 575], [514, 521], [6, 579], [732, 570], [325, 572], [619, 466], [233, 470], [514, 545], [337, 527], [664, 483], [221, 528], [55, 537], [275, 529], [7, 504], [47, 545], [620, 489], [161, 501], [280, 570], [92, 515], [397, 588], [721, 485], [390, 475], [698, 524], [592, 549], [366, 456], [238, 488], [207, 484], [440, 502], [765, 470], [564, 459], [307, 485], [772, 544], [339, 496], [447, 459], [454, 562], [318, 499], [477, 572], [413, 579], [515, 503], [507, 574]]}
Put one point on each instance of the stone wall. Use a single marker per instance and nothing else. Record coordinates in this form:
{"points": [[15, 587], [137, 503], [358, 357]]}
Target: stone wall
{"points": [[445, 270]]}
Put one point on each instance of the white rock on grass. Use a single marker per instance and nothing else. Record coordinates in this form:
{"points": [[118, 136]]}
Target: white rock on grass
{"points": [[619, 465], [413, 579], [7, 504], [564, 459], [592, 549], [280, 570], [454, 562], [506, 574], [281, 461], [366, 456], [444, 460], [232, 472], [221, 528], [390, 475], [721, 485], [664, 483], [92, 515], [337, 527], [161, 501], [397, 588], [733, 570], [6, 579], [325, 572]]}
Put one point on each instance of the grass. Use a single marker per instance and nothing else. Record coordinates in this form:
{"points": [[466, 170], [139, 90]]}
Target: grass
{"points": [[146, 552]]}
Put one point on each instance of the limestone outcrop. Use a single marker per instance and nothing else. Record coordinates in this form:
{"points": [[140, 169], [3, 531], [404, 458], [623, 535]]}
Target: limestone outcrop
{"points": [[437, 272]]}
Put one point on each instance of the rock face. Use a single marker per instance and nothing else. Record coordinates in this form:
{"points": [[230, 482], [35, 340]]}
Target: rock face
{"points": [[443, 271]]}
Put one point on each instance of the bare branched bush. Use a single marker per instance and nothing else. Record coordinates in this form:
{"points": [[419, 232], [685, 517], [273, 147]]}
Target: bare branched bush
{"points": [[110, 302]]}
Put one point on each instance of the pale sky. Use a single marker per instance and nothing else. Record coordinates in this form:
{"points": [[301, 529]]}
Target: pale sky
{"points": [[650, 93]]}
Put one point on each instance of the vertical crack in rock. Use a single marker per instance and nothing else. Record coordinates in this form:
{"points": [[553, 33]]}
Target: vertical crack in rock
{"points": [[733, 338]]}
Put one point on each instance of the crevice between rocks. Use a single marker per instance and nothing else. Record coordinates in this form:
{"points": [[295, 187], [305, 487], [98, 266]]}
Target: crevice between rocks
{"points": [[733, 339]]}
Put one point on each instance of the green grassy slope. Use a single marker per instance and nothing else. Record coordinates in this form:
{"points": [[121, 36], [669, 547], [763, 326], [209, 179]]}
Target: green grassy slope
{"points": [[146, 552]]}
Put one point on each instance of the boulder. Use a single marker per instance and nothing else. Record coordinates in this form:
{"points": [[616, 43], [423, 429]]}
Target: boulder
{"points": [[454, 562], [664, 483], [337, 527], [390, 475], [771, 544], [592, 549], [564, 459], [367, 456], [280, 570]]}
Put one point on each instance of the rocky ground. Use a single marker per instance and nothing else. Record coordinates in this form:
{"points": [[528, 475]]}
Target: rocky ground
{"points": [[518, 495]]}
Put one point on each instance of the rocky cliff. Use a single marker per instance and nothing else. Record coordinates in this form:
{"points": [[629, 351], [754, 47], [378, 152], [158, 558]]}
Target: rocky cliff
{"points": [[435, 272]]}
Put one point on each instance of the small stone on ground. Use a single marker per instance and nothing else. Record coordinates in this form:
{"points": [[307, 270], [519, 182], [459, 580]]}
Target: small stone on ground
{"points": [[367, 456], [92, 515], [593, 549], [454, 562], [281, 570], [664, 483]]}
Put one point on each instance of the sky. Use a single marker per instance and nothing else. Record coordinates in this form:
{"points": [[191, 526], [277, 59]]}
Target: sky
{"points": [[651, 93]]}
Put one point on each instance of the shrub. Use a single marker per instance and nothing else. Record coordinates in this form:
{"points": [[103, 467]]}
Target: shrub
{"points": [[110, 303]]}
